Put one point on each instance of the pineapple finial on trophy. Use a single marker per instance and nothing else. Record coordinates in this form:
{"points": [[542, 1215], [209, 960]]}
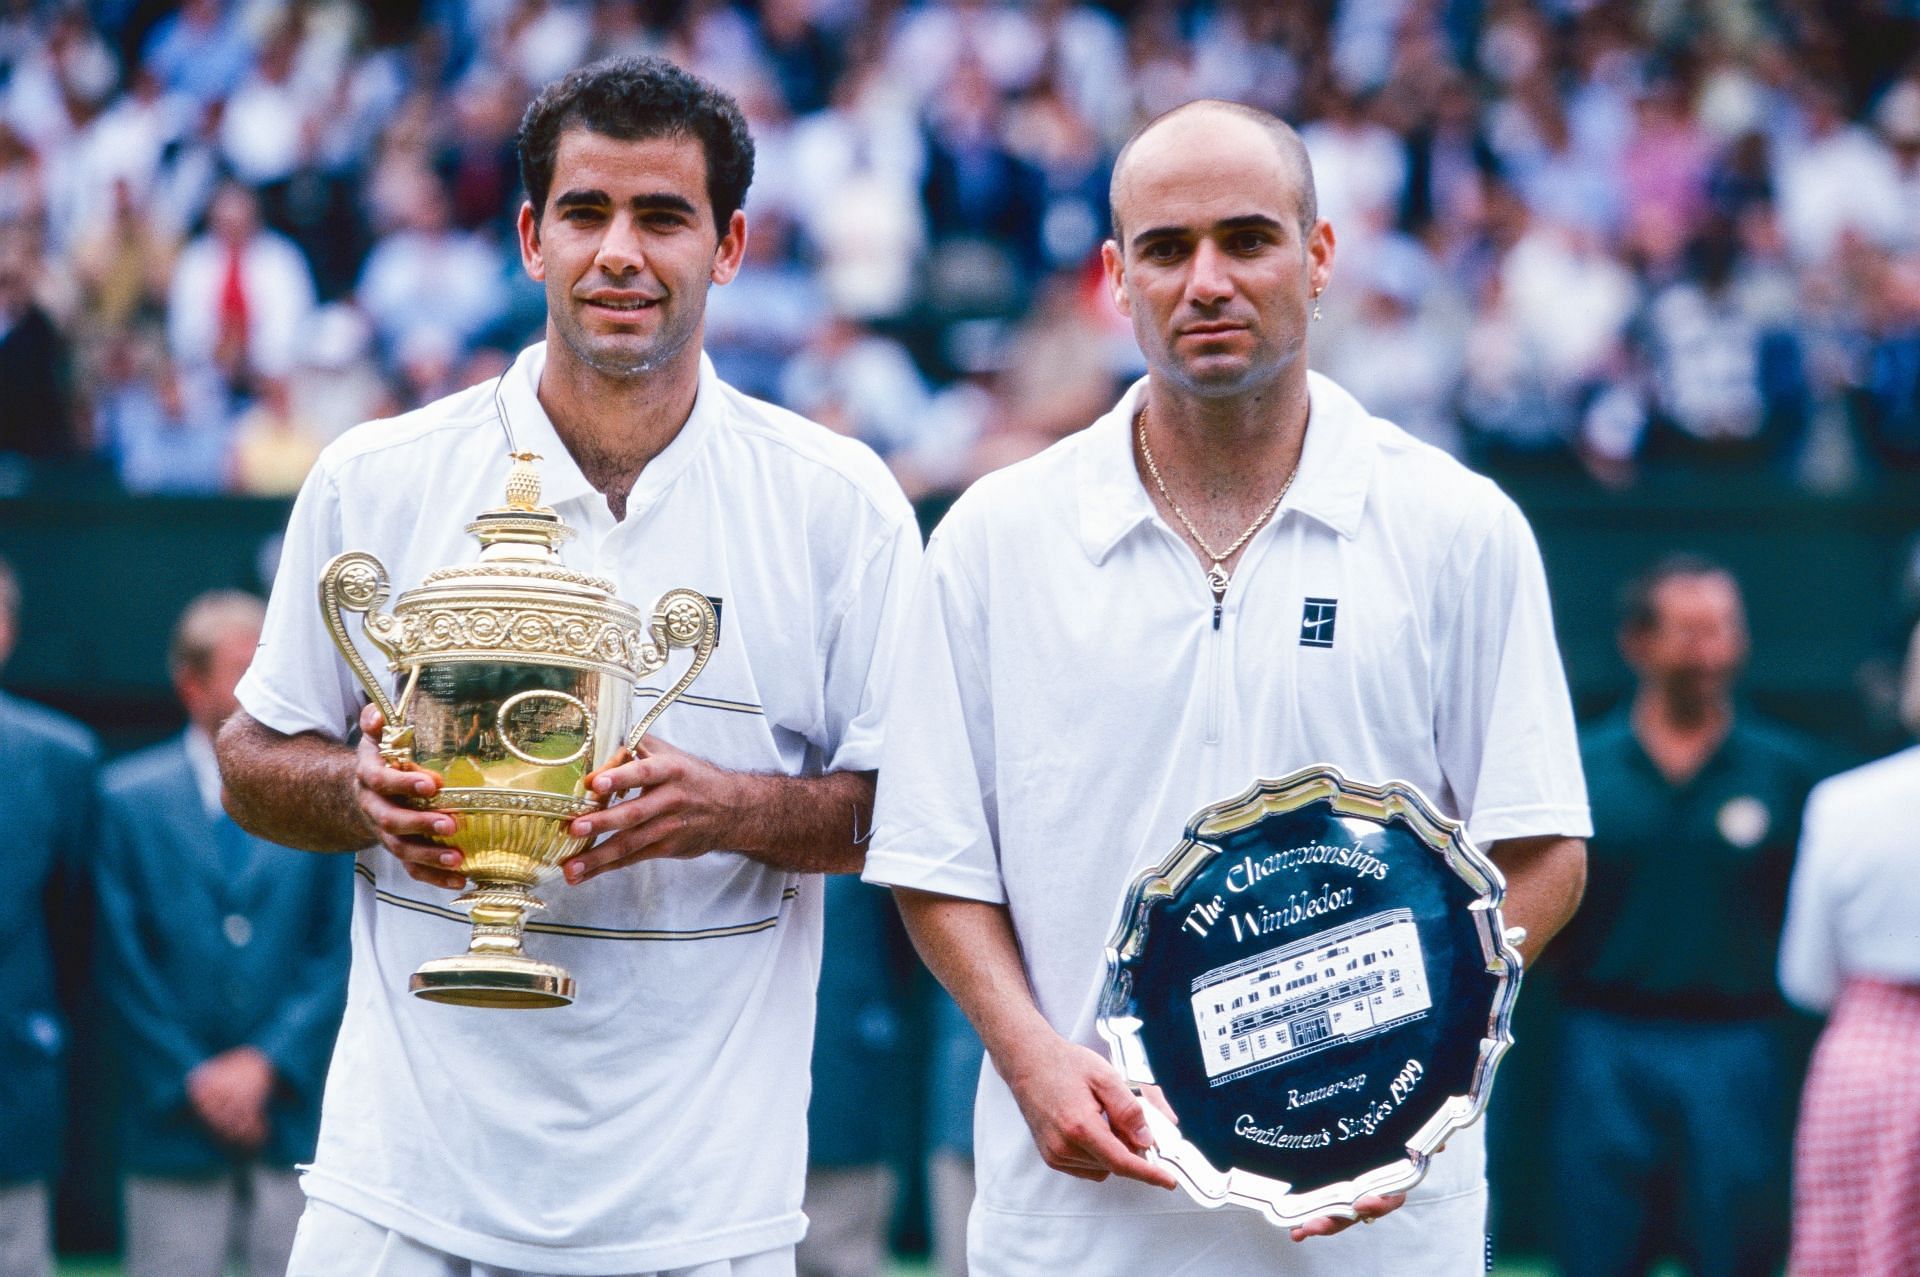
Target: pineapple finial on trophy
{"points": [[523, 482]]}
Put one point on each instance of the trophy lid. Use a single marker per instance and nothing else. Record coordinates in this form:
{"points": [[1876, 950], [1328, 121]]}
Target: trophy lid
{"points": [[521, 539]]}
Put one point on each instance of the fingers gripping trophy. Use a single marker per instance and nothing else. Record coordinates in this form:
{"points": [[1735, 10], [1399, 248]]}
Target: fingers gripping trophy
{"points": [[516, 678]]}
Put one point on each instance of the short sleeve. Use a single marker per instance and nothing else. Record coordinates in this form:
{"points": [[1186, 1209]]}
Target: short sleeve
{"points": [[1809, 948], [298, 682], [859, 647], [934, 823], [1503, 721]]}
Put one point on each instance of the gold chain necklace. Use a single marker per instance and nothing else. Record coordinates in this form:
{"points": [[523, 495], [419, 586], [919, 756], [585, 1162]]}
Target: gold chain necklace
{"points": [[1217, 575]]}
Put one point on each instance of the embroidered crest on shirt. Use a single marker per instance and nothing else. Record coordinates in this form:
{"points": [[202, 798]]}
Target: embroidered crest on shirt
{"points": [[1316, 622]]}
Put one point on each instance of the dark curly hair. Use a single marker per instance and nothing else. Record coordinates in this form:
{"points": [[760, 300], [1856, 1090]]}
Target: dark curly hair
{"points": [[634, 99]]}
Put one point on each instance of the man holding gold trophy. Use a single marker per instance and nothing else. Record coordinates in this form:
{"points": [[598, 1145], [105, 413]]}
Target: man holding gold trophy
{"points": [[640, 524], [1236, 575]]}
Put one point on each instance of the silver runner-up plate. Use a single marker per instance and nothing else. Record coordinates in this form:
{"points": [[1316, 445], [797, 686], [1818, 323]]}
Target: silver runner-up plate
{"points": [[1318, 982]]}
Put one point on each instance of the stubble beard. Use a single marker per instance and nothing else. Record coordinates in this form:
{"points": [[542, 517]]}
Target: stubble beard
{"points": [[616, 363], [1262, 369]]}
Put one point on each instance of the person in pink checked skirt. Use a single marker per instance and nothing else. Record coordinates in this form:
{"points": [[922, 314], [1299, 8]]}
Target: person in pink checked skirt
{"points": [[1851, 949]]}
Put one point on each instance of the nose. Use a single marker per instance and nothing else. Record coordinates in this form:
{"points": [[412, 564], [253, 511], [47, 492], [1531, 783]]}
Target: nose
{"points": [[621, 251], [1208, 282]]}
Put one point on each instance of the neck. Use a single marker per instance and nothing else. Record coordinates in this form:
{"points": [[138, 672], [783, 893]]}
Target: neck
{"points": [[611, 425], [1223, 448]]}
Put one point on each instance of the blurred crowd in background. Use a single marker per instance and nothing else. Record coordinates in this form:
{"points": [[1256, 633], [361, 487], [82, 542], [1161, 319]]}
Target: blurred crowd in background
{"points": [[1583, 235]]}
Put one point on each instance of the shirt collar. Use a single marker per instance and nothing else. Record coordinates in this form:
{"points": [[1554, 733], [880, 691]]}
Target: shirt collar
{"points": [[1336, 468], [206, 770], [560, 477]]}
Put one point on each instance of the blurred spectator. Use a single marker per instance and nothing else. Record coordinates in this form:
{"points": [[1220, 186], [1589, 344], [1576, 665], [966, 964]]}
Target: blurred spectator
{"points": [[1840, 180], [225, 959], [482, 167], [240, 295], [1728, 383], [1888, 399], [1045, 132], [39, 419], [852, 380], [22, 180], [805, 55], [1359, 168], [984, 204], [932, 42], [756, 324], [1058, 364], [163, 426], [337, 383], [1663, 167], [57, 86], [1575, 297], [857, 179], [200, 51], [1851, 952], [273, 445], [427, 360], [123, 264], [1515, 413], [1674, 1082], [1403, 353], [1446, 161], [44, 807], [267, 130], [427, 275]]}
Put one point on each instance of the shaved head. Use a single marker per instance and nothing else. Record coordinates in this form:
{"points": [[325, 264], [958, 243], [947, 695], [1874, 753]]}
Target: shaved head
{"points": [[1285, 141]]}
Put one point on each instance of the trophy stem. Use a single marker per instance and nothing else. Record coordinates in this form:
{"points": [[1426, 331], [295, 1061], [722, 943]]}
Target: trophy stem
{"points": [[499, 912], [495, 971]]}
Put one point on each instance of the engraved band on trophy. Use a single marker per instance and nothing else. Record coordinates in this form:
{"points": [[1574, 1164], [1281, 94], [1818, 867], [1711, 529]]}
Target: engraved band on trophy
{"points": [[1318, 981], [516, 678]]}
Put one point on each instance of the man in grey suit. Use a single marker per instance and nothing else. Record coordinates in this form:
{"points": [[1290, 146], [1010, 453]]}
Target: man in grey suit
{"points": [[225, 957], [46, 772]]}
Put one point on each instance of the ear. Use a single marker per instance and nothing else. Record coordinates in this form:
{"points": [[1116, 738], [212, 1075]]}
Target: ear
{"points": [[1116, 268], [731, 250], [1320, 255], [531, 258]]}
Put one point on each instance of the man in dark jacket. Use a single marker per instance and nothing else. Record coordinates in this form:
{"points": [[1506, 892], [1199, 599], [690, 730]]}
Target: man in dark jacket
{"points": [[46, 768], [225, 957]]}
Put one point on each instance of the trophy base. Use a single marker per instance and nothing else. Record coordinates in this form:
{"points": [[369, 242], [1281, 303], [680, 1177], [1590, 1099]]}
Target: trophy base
{"points": [[493, 980]]}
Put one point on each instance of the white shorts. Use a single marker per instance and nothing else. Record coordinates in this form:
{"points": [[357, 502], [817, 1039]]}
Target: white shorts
{"points": [[1428, 1237], [335, 1243]]}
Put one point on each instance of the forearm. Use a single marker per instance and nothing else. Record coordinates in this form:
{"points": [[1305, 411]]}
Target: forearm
{"points": [[294, 790], [970, 947], [1545, 880], [805, 824]]}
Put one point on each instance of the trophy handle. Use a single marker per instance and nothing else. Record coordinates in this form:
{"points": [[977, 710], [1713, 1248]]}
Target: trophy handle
{"points": [[357, 582], [682, 618]]}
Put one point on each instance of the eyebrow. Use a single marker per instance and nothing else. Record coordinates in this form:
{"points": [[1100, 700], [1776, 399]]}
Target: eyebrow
{"points": [[665, 200], [1246, 221]]}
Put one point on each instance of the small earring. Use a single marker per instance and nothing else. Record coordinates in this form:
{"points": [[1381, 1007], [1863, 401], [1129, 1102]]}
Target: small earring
{"points": [[1316, 305]]}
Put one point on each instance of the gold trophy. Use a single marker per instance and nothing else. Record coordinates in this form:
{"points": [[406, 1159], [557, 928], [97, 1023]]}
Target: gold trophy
{"points": [[516, 679]]}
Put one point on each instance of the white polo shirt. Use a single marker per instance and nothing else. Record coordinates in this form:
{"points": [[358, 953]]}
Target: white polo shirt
{"points": [[1064, 700], [659, 1121]]}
